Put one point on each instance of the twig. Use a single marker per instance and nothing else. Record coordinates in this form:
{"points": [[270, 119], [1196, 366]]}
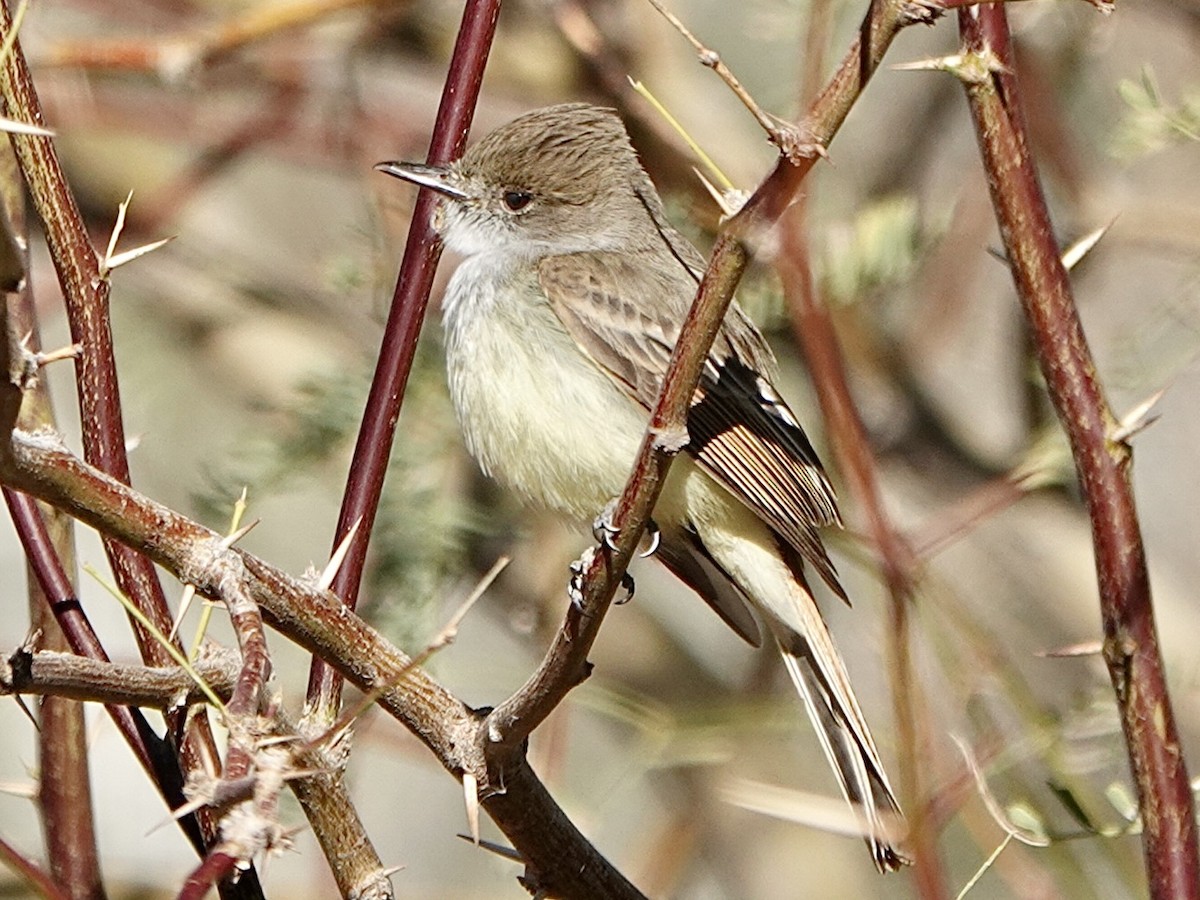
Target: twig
{"points": [[65, 799], [900, 566], [57, 588], [35, 878], [551, 845], [86, 295], [67, 675], [176, 56], [1104, 464], [792, 141], [177, 655], [444, 637], [814, 331]]}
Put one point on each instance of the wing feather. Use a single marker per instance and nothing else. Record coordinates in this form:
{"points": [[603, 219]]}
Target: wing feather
{"points": [[741, 431]]}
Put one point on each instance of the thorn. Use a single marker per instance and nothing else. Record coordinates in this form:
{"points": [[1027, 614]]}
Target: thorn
{"points": [[32, 362], [118, 227], [1082, 247], [24, 707], [450, 631], [26, 791], [499, 849], [338, 557], [129, 256], [185, 603], [12, 126], [178, 813], [70, 351], [970, 68], [471, 796], [730, 201], [718, 197], [239, 510], [1070, 651], [1138, 419], [112, 259], [930, 64], [230, 539], [999, 255]]}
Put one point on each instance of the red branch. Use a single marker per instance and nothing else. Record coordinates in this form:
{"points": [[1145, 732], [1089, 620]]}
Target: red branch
{"points": [[360, 502], [1103, 462]]}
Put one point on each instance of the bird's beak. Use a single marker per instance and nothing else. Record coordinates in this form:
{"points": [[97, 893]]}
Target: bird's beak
{"points": [[437, 178]]}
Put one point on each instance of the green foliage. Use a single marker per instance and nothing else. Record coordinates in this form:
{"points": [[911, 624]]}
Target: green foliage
{"points": [[878, 250], [1150, 122]]}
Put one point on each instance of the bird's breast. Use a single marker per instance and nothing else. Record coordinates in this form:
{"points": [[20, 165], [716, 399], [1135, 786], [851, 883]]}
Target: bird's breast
{"points": [[536, 412]]}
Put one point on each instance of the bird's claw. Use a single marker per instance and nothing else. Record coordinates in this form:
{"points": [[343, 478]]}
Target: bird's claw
{"points": [[579, 570], [606, 533], [603, 529], [655, 536], [627, 586]]}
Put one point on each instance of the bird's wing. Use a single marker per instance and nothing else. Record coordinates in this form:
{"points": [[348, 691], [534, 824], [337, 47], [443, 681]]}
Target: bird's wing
{"points": [[741, 431]]}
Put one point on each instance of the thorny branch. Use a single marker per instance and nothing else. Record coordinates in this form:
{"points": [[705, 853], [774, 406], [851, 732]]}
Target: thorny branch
{"points": [[64, 800], [86, 293], [558, 858], [1104, 463]]}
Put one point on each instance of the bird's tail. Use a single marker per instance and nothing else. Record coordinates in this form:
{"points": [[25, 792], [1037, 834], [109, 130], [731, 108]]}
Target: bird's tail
{"points": [[820, 677]]}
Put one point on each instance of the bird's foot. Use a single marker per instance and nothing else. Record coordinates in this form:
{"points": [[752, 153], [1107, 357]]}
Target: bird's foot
{"points": [[579, 570], [605, 532], [603, 529]]}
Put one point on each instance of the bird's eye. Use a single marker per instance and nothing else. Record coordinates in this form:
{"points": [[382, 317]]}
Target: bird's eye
{"points": [[517, 200]]}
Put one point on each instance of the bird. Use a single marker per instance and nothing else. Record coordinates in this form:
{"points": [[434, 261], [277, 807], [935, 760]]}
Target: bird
{"points": [[559, 323]]}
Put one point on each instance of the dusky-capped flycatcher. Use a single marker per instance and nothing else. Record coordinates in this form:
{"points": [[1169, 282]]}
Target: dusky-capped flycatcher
{"points": [[559, 325]]}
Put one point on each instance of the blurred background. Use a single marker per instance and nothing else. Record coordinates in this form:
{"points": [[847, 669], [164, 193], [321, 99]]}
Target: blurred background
{"points": [[247, 131]]}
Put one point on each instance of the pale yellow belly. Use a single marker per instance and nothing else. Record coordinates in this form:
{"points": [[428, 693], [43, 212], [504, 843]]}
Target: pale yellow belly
{"points": [[536, 413]]}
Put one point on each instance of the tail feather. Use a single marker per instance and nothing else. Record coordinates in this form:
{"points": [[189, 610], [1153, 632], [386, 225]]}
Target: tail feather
{"points": [[770, 575], [682, 552], [821, 682]]}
